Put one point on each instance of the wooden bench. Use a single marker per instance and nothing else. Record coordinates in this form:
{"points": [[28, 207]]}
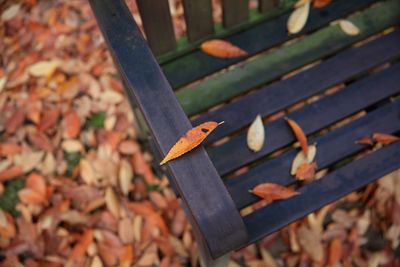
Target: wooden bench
{"points": [[365, 78]]}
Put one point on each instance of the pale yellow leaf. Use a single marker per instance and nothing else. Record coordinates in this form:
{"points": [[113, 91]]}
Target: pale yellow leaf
{"points": [[43, 68], [125, 231], [112, 202], [72, 145], [111, 97], [96, 262], [10, 12], [348, 27], [301, 158], [87, 172], [298, 18], [125, 176], [3, 81], [256, 135]]}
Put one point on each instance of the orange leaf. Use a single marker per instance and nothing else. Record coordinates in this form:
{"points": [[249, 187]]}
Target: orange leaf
{"points": [[81, 247], [48, 119], [10, 173], [321, 3], [190, 140], [72, 124], [298, 132], [37, 183], [127, 256], [335, 252], [385, 139], [9, 149], [41, 141], [306, 171], [365, 140], [15, 121], [271, 192], [29, 196], [222, 49]]}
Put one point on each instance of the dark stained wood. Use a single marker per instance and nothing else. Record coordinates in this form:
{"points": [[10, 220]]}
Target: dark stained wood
{"points": [[282, 94], [332, 147], [260, 37], [211, 209], [198, 17], [311, 118], [267, 5], [157, 23], [234, 12], [351, 177]]}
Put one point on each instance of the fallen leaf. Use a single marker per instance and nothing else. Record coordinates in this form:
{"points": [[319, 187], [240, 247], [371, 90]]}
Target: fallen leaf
{"points": [[301, 137], [190, 140], [125, 176], [37, 183], [222, 49], [43, 68], [335, 252], [41, 141], [72, 145], [301, 158], [10, 173], [112, 202], [3, 81], [87, 172], [306, 171], [48, 119], [29, 196], [125, 231], [80, 248], [256, 135], [127, 256], [348, 27], [72, 124], [15, 121], [298, 18], [9, 149], [311, 243], [365, 140], [128, 147], [321, 3], [271, 192], [10, 12], [385, 139]]}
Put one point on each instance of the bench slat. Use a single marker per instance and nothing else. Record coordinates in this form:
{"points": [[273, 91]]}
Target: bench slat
{"points": [[157, 24], [254, 40], [280, 95], [234, 12], [266, 5], [351, 177], [332, 147], [273, 65], [212, 210], [198, 17], [311, 118]]}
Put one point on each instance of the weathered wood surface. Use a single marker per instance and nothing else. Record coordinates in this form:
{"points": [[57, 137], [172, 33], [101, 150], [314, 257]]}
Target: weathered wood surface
{"points": [[198, 17]]}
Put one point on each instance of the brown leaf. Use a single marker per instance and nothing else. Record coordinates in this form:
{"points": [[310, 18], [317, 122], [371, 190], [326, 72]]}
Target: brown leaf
{"points": [[9, 149], [271, 192], [222, 49], [127, 256], [365, 140], [335, 252], [72, 124], [41, 141], [10, 173], [29, 196], [128, 147], [49, 119], [306, 171], [298, 132], [311, 243], [301, 158], [385, 139], [15, 121], [80, 248], [321, 3], [190, 140]]}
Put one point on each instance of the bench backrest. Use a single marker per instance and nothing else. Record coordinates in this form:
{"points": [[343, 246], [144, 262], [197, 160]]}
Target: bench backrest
{"points": [[158, 25]]}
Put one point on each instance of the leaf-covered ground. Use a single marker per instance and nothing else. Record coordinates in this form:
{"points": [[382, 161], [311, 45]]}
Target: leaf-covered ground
{"points": [[77, 188]]}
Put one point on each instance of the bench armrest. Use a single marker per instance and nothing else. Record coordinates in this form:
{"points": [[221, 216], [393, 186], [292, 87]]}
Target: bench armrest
{"points": [[211, 209]]}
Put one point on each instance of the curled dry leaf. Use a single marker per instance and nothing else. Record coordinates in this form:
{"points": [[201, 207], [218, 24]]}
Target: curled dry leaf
{"points": [[222, 49], [365, 140], [348, 27], [43, 68], [298, 18], [271, 192], [301, 137], [321, 3], [256, 135], [385, 139], [190, 140], [306, 171]]}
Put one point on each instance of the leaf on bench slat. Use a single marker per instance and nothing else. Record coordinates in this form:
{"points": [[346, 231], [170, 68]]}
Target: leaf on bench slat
{"points": [[365, 140], [306, 171], [271, 192], [321, 3], [385, 139], [222, 49], [190, 140], [301, 158], [348, 27], [301, 137], [256, 135], [298, 18]]}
